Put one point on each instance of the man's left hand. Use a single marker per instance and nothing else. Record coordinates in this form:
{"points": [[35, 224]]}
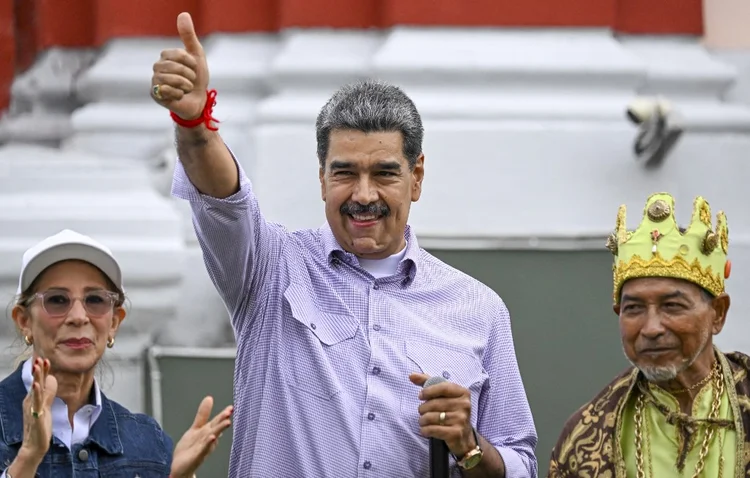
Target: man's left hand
{"points": [[456, 430]]}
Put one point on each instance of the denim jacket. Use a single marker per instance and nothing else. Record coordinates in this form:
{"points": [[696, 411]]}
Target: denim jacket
{"points": [[120, 444]]}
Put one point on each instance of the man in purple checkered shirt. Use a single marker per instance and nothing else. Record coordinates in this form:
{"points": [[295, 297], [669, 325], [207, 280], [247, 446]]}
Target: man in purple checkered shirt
{"points": [[339, 327]]}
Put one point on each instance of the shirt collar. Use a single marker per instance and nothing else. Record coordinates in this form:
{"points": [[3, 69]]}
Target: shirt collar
{"points": [[407, 265], [28, 379]]}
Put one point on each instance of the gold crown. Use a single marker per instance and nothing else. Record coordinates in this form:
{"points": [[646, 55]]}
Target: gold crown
{"points": [[658, 248]]}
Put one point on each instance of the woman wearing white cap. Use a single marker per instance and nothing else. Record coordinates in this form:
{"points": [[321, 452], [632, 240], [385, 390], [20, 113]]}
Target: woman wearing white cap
{"points": [[54, 420]]}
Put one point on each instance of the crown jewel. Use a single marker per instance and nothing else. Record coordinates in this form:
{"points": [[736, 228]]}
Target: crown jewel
{"points": [[658, 248]]}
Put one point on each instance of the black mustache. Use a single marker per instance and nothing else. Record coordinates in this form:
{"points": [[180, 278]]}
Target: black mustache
{"points": [[353, 208]]}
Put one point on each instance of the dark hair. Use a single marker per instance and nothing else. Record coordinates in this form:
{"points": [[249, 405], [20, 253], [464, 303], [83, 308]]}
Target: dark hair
{"points": [[371, 106], [707, 296]]}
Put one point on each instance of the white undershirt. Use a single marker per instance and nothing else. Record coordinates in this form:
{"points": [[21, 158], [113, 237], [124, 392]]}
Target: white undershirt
{"points": [[383, 267]]}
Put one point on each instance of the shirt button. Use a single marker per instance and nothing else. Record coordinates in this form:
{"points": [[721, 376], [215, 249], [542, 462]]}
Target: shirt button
{"points": [[83, 455], [376, 287], [446, 375], [376, 370], [367, 465], [313, 326], [371, 416], [376, 327]]}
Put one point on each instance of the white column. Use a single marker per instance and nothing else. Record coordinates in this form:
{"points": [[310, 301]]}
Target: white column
{"points": [[43, 97], [44, 190], [119, 117], [740, 59]]}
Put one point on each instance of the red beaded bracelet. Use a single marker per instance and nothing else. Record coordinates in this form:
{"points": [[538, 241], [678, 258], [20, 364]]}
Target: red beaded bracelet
{"points": [[206, 116]]}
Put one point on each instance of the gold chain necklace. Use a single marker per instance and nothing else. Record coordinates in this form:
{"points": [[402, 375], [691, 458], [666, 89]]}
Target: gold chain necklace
{"points": [[715, 405], [696, 385]]}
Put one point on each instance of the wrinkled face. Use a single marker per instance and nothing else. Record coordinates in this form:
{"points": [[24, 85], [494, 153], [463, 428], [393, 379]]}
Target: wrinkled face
{"points": [[368, 190], [75, 340], [667, 325]]}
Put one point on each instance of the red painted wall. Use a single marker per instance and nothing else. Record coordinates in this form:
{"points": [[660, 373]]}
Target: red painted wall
{"points": [[659, 16], [28, 27], [7, 51]]}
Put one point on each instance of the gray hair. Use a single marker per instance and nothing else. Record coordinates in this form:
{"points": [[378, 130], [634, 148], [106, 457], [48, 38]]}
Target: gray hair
{"points": [[371, 106]]}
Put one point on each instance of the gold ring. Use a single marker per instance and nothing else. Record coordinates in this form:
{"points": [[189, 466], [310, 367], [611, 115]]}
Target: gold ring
{"points": [[157, 92], [35, 414], [442, 418]]}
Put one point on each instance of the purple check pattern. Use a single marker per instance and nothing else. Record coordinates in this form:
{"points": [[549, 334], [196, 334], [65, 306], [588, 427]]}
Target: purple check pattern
{"points": [[324, 350]]}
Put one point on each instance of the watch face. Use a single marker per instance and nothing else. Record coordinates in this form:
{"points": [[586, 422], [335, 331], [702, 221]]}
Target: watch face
{"points": [[472, 461]]}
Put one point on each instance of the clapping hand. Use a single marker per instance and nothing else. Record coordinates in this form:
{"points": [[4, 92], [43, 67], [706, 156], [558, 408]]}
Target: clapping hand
{"points": [[37, 412], [200, 440]]}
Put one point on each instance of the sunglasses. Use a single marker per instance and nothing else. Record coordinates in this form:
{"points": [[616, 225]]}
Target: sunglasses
{"points": [[57, 303]]}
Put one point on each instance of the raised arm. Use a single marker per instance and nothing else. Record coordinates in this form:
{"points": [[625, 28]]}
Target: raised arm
{"points": [[239, 246], [180, 84]]}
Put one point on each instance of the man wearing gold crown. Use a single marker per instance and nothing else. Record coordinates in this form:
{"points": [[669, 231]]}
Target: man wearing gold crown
{"points": [[683, 409]]}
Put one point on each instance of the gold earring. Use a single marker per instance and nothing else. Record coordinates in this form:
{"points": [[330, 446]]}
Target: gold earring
{"points": [[111, 342], [28, 341]]}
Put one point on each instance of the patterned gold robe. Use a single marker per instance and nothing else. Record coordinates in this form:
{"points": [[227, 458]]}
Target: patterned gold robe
{"points": [[589, 446]]}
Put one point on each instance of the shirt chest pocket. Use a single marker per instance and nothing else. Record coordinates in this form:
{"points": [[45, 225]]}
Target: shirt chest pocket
{"points": [[455, 366], [316, 346]]}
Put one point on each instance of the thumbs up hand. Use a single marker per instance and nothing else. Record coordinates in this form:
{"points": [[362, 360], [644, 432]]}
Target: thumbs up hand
{"points": [[180, 76]]}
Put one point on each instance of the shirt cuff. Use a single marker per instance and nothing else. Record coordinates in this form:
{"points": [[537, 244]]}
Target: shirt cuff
{"points": [[183, 188], [514, 465]]}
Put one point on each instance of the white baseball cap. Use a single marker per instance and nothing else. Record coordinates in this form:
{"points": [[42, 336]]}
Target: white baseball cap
{"points": [[63, 246]]}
